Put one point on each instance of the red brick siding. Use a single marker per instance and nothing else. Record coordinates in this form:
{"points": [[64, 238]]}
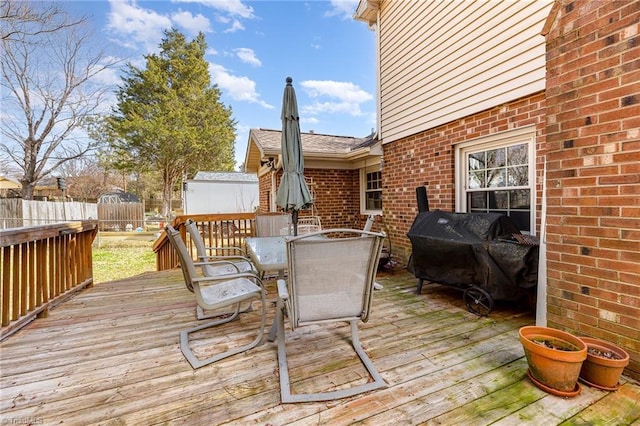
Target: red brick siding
{"points": [[427, 158], [593, 173], [264, 188], [337, 197]]}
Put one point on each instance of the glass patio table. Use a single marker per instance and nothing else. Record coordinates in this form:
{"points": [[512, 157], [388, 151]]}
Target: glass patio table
{"points": [[268, 253]]}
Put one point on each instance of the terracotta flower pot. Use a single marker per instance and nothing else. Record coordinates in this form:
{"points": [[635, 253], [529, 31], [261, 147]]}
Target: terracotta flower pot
{"points": [[555, 359], [601, 372]]}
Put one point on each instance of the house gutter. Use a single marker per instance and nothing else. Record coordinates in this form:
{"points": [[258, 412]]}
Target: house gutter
{"points": [[368, 11]]}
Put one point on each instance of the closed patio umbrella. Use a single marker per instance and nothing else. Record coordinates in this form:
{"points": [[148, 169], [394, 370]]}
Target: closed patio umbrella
{"points": [[293, 194]]}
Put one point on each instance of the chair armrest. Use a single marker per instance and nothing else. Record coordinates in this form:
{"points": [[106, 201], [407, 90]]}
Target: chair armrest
{"points": [[229, 277], [228, 258], [217, 263], [283, 293], [235, 260], [228, 248], [236, 265]]}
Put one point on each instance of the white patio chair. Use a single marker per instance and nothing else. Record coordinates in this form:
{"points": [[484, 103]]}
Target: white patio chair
{"points": [[369, 223], [216, 265], [214, 293], [367, 227], [236, 255], [273, 225], [307, 224], [330, 280]]}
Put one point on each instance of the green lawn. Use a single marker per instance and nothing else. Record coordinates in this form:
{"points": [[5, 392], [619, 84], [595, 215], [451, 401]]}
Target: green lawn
{"points": [[122, 255]]}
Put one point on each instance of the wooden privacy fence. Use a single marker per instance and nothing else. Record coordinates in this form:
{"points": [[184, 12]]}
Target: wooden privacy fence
{"points": [[41, 267], [218, 230], [16, 212], [121, 216]]}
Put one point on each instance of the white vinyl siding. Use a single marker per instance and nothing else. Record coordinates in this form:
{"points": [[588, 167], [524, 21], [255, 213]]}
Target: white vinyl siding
{"points": [[444, 60]]}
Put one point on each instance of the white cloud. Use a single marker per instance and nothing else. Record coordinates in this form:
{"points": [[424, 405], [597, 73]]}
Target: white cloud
{"points": [[343, 97], [343, 8], [309, 120], [336, 89], [332, 108], [238, 88], [109, 76], [235, 26], [249, 56], [232, 7], [316, 43], [136, 26], [192, 24]]}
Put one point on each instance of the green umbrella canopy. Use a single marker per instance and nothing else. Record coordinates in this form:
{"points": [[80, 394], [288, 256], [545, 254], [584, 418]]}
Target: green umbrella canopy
{"points": [[293, 193]]}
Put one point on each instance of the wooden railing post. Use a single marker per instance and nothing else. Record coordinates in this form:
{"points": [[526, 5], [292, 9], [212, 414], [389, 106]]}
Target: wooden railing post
{"points": [[41, 266], [221, 230]]}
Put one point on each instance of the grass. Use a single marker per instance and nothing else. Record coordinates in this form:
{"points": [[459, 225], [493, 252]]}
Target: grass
{"points": [[119, 255]]}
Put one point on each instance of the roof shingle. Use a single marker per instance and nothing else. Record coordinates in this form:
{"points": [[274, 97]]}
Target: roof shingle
{"points": [[311, 142]]}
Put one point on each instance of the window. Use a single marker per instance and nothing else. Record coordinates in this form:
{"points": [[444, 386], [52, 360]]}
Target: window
{"points": [[495, 175], [372, 191]]}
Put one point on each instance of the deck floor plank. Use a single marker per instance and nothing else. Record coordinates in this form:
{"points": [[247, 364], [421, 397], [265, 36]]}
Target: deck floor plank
{"points": [[111, 355]]}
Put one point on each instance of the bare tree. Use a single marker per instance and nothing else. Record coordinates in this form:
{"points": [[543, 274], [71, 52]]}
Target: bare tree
{"points": [[41, 19], [49, 89], [86, 179]]}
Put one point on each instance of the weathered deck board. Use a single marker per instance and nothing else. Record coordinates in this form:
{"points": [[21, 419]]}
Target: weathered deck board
{"points": [[111, 356]]}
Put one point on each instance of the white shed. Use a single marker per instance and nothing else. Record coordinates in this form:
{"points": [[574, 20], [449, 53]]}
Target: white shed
{"points": [[221, 192]]}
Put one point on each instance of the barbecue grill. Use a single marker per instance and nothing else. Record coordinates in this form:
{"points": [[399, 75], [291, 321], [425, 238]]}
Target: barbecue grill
{"points": [[483, 254]]}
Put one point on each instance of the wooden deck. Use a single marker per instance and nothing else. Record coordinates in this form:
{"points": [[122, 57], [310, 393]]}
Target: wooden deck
{"points": [[111, 356]]}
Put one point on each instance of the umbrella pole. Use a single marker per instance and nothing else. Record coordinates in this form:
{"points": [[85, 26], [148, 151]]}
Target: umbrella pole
{"points": [[294, 217]]}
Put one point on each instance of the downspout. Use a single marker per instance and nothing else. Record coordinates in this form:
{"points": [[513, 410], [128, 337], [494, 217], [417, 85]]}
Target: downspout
{"points": [[272, 193], [378, 85], [277, 165], [541, 296]]}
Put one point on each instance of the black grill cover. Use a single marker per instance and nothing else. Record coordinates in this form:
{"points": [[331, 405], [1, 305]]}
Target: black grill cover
{"points": [[465, 249]]}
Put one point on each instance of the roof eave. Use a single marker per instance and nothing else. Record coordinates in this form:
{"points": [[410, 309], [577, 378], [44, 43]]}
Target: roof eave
{"points": [[367, 11]]}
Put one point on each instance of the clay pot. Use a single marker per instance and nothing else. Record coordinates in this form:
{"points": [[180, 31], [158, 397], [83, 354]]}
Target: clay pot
{"points": [[555, 358], [600, 372]]}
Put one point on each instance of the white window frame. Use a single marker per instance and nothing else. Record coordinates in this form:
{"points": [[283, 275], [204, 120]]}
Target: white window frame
{"points": [[521, 135], [363, 190]]}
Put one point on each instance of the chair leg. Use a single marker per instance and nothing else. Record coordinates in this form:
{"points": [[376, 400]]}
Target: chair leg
{"points": [[285, 385], [285, 388], [273, 331], [371, 368], [197, 363]]}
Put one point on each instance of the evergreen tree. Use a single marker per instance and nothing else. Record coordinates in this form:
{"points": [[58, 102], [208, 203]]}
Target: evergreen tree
{"points": [[170, 118]]}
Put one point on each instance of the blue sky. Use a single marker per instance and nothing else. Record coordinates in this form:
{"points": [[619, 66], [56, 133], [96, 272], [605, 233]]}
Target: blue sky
{"points": [[252, 47]]}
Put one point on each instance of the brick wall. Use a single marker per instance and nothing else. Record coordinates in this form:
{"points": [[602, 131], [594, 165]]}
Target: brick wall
{"points": [[593, 172], [264, 188], [337, 195], [427, 159]]}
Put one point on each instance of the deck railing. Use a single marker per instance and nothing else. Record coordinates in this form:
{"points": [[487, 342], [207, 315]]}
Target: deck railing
{"points": [[220, 230], [41, 267]]}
